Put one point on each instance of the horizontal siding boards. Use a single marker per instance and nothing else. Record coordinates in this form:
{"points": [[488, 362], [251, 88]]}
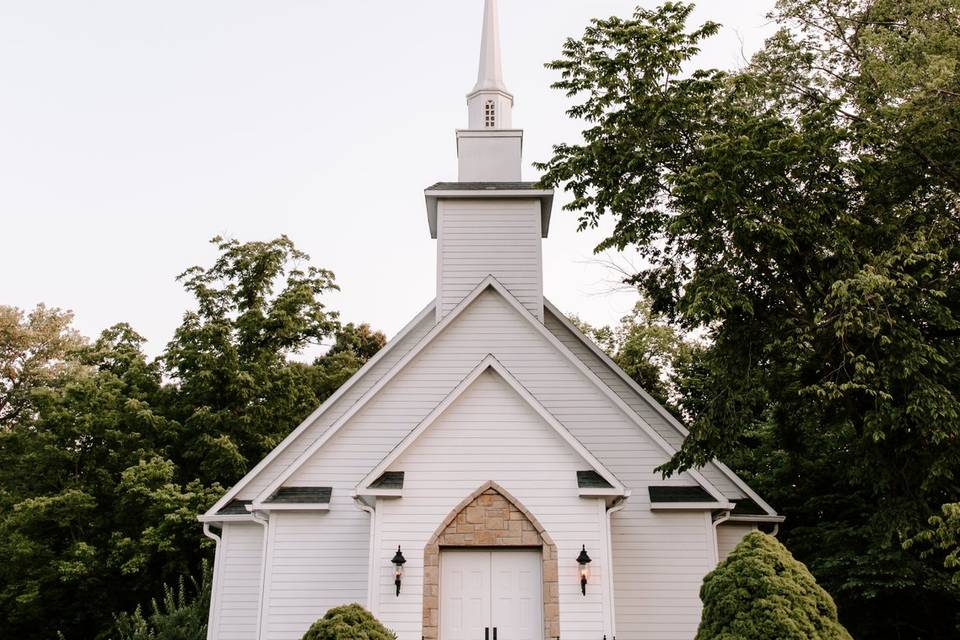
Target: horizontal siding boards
{"points": [[323, 422], [317, 561], [241, 562], [490, 433], [729, 536], [477, 238], [640, 405], [643, 540]]}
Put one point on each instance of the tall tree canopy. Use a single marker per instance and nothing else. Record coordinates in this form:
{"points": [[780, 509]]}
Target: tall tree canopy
{"points": [[803, 212], [107, 456]]}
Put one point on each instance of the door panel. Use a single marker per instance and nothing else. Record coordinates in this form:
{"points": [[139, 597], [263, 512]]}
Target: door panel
{"points": [[517, 601], [465, 594], [483, 590]]}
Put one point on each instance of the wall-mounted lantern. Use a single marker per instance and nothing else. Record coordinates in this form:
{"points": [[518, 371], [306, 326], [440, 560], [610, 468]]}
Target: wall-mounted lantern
{"points": [[584, 561], [398, 562]]}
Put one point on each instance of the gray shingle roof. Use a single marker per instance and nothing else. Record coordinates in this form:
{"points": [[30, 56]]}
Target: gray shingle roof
{"points": [[301, 495], [748, 507], [389, 480], [235, 508], [484, 186], [592, 480], [679, 494]]}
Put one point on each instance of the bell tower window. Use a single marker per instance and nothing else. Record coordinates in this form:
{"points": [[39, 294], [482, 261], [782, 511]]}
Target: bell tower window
{"points": [[490, 114]]}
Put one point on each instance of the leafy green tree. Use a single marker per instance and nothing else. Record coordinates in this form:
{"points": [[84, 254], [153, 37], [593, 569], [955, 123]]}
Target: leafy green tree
{"points": [[34, 351], [803, 213], [760, 592], [647, 348], [109, 456], [943, 537], [353, 346], [236, 388], [75, 515], [181, 614], [350, 622]]}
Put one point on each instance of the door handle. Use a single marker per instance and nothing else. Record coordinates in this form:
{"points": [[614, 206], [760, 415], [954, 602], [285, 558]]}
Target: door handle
{"points": [[494, 633], [486, 633]]}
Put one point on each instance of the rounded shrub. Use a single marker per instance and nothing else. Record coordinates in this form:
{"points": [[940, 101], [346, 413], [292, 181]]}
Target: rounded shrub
{"points": [[761, 592], [350, 622]]}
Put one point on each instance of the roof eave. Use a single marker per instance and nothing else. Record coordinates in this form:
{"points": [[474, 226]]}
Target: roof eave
{"points": [[545, 196]]}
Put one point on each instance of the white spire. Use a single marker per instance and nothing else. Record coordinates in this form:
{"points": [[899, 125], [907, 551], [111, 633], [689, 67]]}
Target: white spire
{"points": [[490, 76], [490, 103]]}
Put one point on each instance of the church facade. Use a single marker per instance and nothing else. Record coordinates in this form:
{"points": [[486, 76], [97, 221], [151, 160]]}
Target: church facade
{"points": [[489, 475]]}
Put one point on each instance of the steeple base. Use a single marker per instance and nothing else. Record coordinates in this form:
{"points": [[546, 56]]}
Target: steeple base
{"points": [[490, 155]]}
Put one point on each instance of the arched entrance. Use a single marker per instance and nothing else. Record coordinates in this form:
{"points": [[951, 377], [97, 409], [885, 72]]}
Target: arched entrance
{"points": [[490, 517]]}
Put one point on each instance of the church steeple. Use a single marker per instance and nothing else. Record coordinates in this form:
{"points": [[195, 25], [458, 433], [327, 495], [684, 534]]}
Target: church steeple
{"points": [[489, 222], [490, 103], [489, 150]]}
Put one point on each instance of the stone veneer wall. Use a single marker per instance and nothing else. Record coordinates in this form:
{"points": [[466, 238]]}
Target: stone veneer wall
{"points": [[490, 517]]}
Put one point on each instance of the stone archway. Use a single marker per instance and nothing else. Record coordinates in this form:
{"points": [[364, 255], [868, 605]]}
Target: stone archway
{"points": [[490, 517]]}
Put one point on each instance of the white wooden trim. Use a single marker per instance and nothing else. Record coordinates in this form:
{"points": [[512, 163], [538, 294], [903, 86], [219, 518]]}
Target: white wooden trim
{"points": [[266, 577], [669, 417], [381, 493], [603, 492], [487, 283], [346, 386], [213, 616], [285, 506], [690, 506], [490, 362], [607, 563], [215, 519], [770, 519]]}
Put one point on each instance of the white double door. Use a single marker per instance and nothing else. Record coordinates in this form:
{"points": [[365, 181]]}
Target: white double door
{"points": [[491, 595]]}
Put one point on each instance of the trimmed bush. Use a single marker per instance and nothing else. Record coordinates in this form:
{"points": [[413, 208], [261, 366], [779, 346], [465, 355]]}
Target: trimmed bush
{"points": [[351, 622], [761, 592]]}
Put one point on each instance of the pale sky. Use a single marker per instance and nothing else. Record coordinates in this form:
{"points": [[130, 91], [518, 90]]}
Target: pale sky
{"points": [[133, 131]]}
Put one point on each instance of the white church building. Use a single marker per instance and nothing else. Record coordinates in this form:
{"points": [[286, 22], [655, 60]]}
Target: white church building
{"points": [[490, 474]]}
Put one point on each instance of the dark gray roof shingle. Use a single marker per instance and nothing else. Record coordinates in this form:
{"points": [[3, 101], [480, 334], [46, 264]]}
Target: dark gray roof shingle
{"points": [[235, 508], [484, 186], [679, 494], [748, 507], [301, 495], [389, 480], [592, 480]]}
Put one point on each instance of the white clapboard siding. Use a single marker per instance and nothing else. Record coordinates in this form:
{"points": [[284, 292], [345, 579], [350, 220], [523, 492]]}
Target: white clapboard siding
{"points": [[323, 422], [316, 561], [660, 560], [490, 433], [490, 325], [729, 536], [477, 238], [240, 560], [636, 402]]}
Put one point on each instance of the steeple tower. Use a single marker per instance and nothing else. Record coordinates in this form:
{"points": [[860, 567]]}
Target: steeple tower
{"points": [[490, 150], [489, 223], [490, 103]]}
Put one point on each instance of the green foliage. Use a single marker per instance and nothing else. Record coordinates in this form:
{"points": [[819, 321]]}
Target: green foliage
{"points": [[350, 622], [647, 348], [34, 351], [760, 592], [943, 537], [107, 457], [237, 390], [802, 213], [180, 615]]}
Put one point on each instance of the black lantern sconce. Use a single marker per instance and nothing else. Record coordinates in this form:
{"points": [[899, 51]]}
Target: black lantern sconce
{"points": [[584, 561], [398, 562]]}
